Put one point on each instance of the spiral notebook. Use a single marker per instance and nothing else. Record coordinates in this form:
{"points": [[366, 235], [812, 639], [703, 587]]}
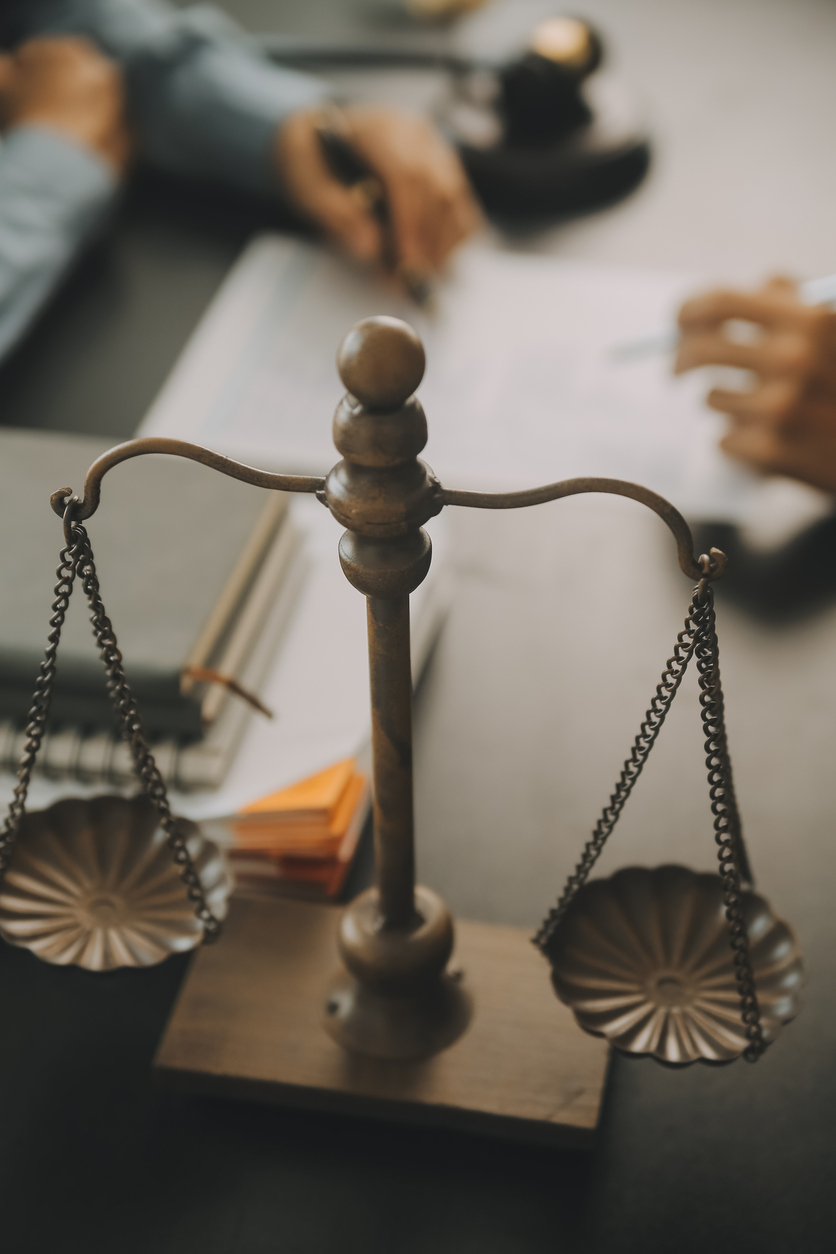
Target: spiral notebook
{"points": [[179, 609]]}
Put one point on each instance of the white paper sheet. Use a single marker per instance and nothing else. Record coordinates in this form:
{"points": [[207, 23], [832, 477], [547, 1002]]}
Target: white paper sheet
{"points": [[521, 387]]}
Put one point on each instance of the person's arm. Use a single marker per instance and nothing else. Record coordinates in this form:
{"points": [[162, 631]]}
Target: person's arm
{"points": [[203, 102], [60, 157], [785, 423]]}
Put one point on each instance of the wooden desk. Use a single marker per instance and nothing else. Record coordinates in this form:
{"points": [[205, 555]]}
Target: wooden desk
{"points": [[524, 718]]}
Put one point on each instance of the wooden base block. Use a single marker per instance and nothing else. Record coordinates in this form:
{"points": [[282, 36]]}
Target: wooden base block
{"points": [[248, 1024]]}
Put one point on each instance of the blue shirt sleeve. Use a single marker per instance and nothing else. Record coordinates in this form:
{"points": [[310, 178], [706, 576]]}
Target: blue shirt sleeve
{"points": [[203, 102], [53, 195]]}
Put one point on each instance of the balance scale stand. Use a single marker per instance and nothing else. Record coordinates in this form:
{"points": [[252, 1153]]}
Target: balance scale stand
{"points": [[417, 1024]]}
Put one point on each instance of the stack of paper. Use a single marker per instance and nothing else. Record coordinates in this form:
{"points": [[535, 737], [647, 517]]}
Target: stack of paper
{"points": [[302, 839]]}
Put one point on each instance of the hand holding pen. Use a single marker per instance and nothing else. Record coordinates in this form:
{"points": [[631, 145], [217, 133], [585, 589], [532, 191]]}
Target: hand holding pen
{"points": [[785, 423], [384, 185]]}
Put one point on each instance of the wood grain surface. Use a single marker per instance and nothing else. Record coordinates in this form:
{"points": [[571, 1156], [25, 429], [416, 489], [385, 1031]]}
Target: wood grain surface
{"points": [[248, 1024]]}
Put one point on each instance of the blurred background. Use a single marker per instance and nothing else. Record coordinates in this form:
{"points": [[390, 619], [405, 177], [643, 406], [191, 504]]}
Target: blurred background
{"points": [[561, 624]]}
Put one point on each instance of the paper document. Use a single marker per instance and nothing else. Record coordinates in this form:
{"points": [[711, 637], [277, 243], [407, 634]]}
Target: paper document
{"points": [[521, 387]]}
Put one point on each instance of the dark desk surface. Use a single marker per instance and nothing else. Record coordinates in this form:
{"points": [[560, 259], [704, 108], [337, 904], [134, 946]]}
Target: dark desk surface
{"points": [[94, 1158]]}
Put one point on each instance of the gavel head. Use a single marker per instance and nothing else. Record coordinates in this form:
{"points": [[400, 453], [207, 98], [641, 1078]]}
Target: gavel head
{"points": [[541, 100], [569, 42]]}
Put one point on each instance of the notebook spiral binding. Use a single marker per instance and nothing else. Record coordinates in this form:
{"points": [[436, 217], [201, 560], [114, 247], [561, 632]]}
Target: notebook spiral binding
{"points": [[99, 757]]}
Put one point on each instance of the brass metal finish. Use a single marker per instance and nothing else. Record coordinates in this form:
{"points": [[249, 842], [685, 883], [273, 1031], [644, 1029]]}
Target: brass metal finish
{"points": [[390, 677], [688, 562], [383, 494], [698, 639], [396, 1003], [93, 883], [565, 40], [395, 1000], [174, 448], [77, 560], [379, 570], [644, 960], [401, 1028], [381, 361]]}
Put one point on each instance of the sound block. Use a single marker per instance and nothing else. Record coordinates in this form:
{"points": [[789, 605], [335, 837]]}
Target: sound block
{"points": [[249, 1024]]}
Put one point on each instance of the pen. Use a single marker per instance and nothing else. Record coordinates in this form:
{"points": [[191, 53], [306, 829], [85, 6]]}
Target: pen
{"points": [[346, 164], [813, 292]]}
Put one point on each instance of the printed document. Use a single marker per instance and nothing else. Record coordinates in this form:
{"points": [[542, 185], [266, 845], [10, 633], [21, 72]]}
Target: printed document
{"points": [[522, 387]]}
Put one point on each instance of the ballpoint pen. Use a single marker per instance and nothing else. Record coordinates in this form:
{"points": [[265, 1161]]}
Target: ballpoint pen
{"points": [[813, 292], [350, 168]]}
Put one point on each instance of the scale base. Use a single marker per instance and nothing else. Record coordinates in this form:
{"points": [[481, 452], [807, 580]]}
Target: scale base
{"points": [[398, 1028], [249, 1024]]}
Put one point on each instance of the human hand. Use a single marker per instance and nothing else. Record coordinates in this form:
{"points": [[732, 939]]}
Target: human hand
{"points": [[431, 205], [69, 86], [786, 422]]}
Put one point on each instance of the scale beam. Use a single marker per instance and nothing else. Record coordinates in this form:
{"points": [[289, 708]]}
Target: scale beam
{"points": [[174, 448]]}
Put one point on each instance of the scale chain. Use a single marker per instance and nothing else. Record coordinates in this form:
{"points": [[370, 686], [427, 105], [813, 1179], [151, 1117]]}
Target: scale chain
{"points": [[731, 851], [77, 559], [666, 690], [39, 712], [698, 638]]}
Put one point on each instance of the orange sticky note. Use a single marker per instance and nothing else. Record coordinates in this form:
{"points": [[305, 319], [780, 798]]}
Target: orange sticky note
{"points": [[315, 798]]}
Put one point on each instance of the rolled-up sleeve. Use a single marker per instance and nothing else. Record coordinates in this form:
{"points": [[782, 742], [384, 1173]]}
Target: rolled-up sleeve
{"points": [[203, 102], [54, 193]]}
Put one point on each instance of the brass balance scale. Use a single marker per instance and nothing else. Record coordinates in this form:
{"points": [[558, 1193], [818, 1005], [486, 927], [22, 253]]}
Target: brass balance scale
{"points": [[663, 962]]}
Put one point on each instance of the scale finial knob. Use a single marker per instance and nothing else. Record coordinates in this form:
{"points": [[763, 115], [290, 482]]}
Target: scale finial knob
{"points": [[381, 361]]}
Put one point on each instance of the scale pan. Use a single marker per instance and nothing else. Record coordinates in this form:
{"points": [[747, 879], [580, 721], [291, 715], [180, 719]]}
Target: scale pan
{"points": [[643, 959], [92, 882]]}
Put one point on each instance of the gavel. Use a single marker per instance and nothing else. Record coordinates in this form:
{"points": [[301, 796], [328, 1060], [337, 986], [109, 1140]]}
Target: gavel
{"points": [[526, 132]]}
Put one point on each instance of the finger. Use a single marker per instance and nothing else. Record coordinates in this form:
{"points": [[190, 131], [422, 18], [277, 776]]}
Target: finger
{"points": [[755, 446], [775, 404], [767, 308], [744, 406], [340, 211], [432, 219], [455, 215], [459, 222], [803, 459], [394, 148], [344, 216], [438, 229], [710, 348], [426, 188], [412, 206], [786, 352]]}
